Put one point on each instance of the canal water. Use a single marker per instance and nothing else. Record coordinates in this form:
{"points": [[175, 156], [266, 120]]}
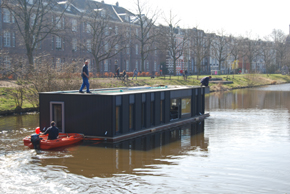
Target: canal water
{"points": [[243, 147]]}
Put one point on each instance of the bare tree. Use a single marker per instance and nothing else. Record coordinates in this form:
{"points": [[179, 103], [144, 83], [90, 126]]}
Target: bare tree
{"points": [[34, 21], [175, 40], [199, 44], [268, 54], [146, 19], [104, 40], [251, 50], [279, 39], [220, 48]]}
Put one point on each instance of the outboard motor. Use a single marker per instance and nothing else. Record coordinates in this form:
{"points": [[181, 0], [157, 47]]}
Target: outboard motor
{"points": [[35, 140]]}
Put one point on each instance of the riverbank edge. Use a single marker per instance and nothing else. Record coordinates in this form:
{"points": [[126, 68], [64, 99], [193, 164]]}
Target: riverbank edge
{"points": [[245, 87], [19, 111]]}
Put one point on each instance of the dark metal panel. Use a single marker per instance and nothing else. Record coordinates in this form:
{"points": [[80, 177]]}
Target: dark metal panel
{"points": [[180, 93], [138, 104], [147, 112], [112, 130], [199, 101], [202, 100], [193, 103], [157, 108], [88, 114], [167, 107], [125, 114]]}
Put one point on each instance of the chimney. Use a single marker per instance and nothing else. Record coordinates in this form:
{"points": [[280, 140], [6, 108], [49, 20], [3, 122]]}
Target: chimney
{"points": [[117, 4], [103, 1]]}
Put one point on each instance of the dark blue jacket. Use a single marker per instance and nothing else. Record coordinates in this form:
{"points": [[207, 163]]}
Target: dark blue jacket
{"points": [[52, 132], [204, 81], [86, 70]]}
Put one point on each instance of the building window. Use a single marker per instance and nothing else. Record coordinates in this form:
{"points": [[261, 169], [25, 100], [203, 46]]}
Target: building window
{"points": [[58, 42], [131, 116], [89, 45], [58, 22], [68, 7], [136, 64], [106, 65], [13, 39], [137, 52], [116, 30], [103, 13], [116, 48], [32, 19], [137, 32], [7, 63], [52, 42], [6, 39], [58, 64], [74, 25], [147, 66], [155, 65], [128, 49], [6, 15], [74, 44], [118, 119], [127, 65], [89, 28]]}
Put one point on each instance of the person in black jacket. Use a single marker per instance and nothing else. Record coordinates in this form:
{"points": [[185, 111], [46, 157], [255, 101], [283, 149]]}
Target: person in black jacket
{"points": [[204, 81], [52, 131]]}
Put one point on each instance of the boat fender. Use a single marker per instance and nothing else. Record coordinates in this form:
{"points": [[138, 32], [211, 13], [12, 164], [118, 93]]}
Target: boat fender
{"points": [[35, 140]]}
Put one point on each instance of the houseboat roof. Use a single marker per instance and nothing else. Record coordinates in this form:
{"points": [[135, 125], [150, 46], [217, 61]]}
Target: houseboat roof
{"points": [[125, 90]]}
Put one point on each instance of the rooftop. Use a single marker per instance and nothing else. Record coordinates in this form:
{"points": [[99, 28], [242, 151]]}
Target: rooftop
{"points": [[125, 90]]}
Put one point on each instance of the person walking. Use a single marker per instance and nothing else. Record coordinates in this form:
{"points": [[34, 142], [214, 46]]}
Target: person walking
{"points": [[204, 81], [85, 76], [135, 73], [185, 74]]}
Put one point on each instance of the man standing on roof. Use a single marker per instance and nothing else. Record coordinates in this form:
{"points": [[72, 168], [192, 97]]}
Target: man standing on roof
{"points": [[85, 76], [204, 81]]}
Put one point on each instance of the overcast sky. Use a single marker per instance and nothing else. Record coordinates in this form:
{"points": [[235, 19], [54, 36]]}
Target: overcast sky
{"points": [[255, 17]]}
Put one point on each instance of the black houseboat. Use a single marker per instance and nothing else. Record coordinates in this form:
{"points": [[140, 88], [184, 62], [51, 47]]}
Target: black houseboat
{"points": [[118, 113]]}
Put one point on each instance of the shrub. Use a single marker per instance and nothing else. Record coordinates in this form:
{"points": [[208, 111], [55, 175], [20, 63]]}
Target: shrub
{"points": [[130, 74]]}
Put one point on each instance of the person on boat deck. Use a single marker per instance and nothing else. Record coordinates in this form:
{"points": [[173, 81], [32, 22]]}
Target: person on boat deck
{"points": [[85, 76], [204, 81], [52, 131]]}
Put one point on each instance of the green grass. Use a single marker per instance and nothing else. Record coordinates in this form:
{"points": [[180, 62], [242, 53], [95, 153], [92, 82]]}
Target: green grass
{"points": [[7, 102]]}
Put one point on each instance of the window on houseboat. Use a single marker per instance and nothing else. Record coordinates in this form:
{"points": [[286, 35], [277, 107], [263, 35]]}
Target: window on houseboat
{"points": [[174, 109], [185, 106]]}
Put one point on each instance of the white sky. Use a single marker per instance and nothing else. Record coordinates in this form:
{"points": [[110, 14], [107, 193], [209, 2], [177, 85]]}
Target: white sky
{"points": [[255, 17]]}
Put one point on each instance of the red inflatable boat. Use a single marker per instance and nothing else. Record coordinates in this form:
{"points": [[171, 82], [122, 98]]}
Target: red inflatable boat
{"points": [[64, 139]]}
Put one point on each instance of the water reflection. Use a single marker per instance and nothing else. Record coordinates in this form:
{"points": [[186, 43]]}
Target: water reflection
{"points": [[261, 98], [106, 159]]}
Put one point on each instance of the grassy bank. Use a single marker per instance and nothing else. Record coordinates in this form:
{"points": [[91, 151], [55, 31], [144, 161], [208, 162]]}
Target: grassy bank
{"points": [[7, 100]]}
